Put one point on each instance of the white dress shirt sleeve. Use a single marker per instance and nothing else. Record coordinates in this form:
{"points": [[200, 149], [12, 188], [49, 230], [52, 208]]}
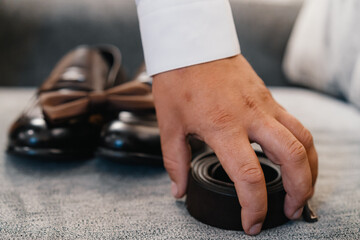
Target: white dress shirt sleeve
{"points": [[181, 33]]}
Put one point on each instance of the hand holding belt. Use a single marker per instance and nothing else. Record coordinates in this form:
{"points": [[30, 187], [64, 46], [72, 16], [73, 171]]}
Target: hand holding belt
{"points": [[211, 196], [65, 103]]}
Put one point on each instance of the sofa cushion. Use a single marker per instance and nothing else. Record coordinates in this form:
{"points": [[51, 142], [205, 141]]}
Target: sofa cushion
{"points": [[98, 199], [35, 34]]}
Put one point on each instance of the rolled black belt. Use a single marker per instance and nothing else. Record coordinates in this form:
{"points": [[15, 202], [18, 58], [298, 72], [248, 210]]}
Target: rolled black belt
{"points": [[211, 196]]}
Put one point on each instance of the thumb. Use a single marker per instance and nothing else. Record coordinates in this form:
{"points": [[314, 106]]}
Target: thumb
{"points": [[176, 155]]}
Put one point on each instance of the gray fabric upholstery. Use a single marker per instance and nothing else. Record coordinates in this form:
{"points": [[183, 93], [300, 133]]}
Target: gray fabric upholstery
{"points": [[97, 199], [263, 28], [35, 34]]}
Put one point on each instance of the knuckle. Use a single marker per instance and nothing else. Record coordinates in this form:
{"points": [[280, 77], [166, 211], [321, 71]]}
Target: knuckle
{"points": [[170, 163], [249, 173], [297, 153], [306, 138], [220, 119], [260, 210], [257, 211], [265, 95], [250, 102]]}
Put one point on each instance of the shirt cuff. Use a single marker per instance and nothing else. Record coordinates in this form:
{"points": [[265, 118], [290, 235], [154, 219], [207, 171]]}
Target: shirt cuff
{"points": [[181, 33]]}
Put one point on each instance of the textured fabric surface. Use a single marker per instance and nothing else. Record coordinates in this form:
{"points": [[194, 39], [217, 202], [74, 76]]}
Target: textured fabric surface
{"points": [[324, 48], [97, 199]]}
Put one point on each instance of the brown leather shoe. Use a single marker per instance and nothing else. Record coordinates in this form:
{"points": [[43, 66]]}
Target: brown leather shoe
{"points": [[86, 69]]}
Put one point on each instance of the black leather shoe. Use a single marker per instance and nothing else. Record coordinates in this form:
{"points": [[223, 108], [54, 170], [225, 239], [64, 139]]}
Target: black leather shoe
{"points": [[134, 136], [87, 69]]}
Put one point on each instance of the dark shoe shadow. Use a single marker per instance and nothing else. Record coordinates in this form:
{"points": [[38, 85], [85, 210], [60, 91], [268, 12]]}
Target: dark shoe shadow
{"points": [[126, 167], [31, 165]]}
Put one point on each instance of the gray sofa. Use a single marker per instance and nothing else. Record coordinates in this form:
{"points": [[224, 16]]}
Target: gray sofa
{"points": [[98, 199], [35, 34]]}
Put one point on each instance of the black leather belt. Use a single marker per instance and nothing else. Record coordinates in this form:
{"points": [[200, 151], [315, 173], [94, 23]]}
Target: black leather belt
{"points": [[211, 196]]}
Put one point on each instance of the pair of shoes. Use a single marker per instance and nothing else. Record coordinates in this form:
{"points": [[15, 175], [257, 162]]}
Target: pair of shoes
{"points": [[86, 106]]}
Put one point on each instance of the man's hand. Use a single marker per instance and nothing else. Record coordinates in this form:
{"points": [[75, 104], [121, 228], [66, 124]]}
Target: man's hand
{"points": [[227, 105]]}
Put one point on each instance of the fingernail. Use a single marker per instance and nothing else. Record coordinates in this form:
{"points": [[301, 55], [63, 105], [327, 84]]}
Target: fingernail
{"points": [[255, 229], [174, 189], [298, 213]]}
